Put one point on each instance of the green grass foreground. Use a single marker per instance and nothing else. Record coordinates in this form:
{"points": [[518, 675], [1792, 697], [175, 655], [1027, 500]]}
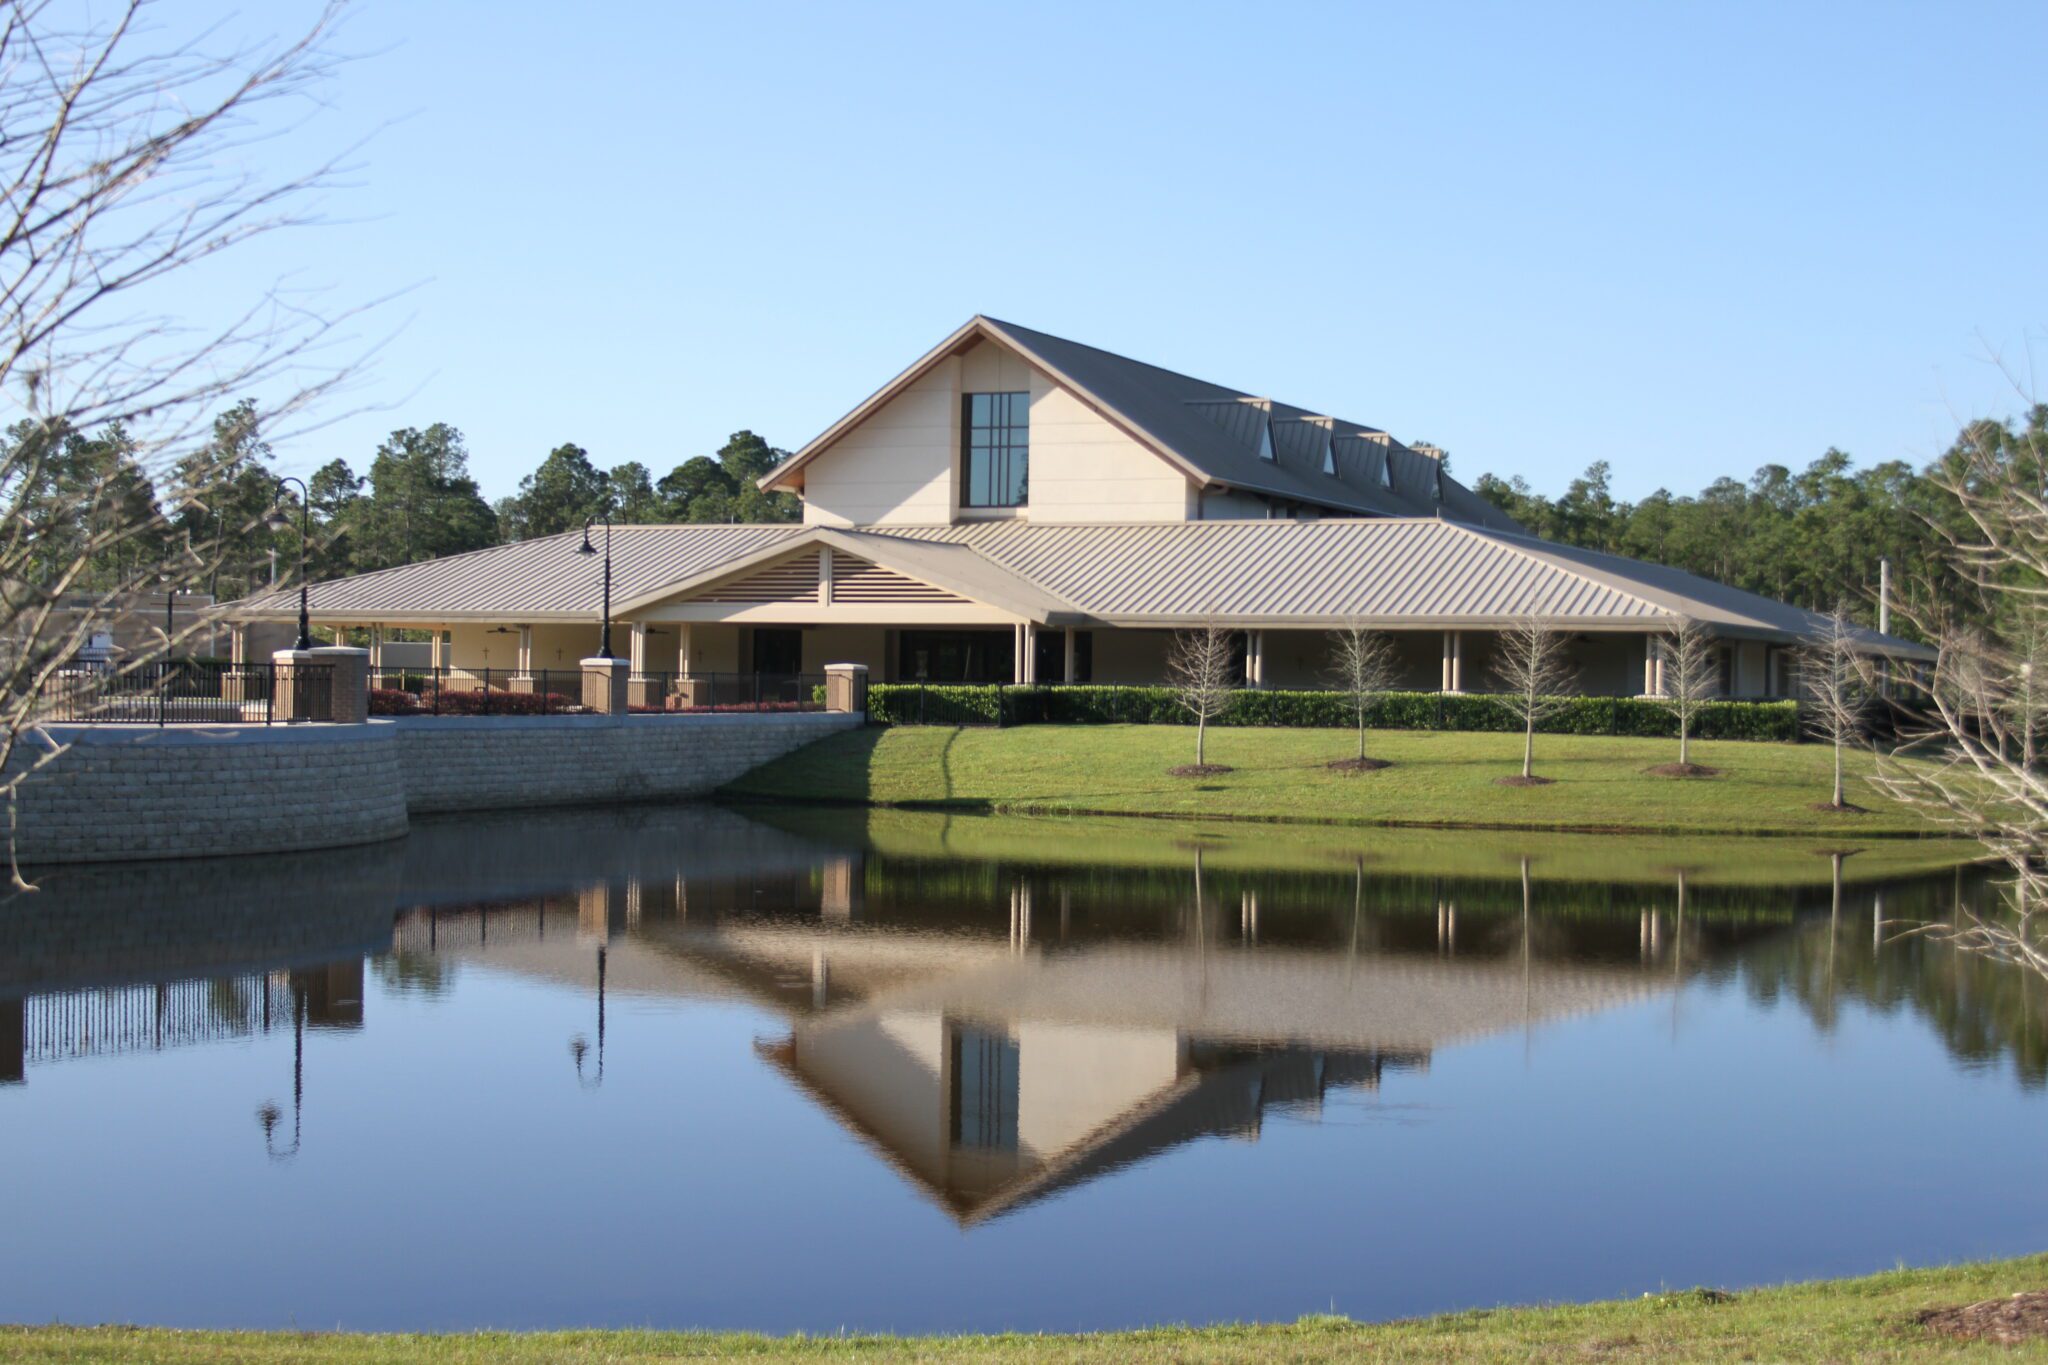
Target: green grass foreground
{"points": [[1864, 1319], [1438, 778]]}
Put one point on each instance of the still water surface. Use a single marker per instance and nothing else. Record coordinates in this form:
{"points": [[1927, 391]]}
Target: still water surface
{"points": [[790, 1070]]}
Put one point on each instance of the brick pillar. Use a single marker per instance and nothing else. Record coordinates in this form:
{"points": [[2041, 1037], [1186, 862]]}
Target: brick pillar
{"points": [[301, 691], [846, 688], [349, 703], [604, 685]]}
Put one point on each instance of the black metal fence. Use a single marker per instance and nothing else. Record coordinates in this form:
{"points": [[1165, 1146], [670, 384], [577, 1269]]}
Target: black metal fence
{"points": [[554, 692], [188, 692]]}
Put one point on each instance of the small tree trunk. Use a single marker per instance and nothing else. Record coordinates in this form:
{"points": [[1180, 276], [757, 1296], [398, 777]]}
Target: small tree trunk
{"points": [[1838, 771], [1201, 739], [1361, 734], [1684, 733], [1529, 747]]}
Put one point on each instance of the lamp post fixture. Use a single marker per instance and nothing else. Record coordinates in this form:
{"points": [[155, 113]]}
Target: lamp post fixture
{"points": [[604, 641], [579, 1046], [305, 535]]}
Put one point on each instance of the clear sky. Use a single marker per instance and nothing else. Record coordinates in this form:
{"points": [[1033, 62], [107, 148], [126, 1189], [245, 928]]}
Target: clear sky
{"points": [[1688, 240]]}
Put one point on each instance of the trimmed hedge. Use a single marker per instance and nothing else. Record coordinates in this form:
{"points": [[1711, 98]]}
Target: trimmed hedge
{"points": [[910, 704]]}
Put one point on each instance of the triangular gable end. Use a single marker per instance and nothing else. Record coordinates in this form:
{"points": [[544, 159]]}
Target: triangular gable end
{"points": [[801, 578]]}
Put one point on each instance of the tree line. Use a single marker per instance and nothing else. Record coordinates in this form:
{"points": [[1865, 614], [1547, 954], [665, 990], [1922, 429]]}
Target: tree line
{"points": [[230, 527], [1811, 537]]}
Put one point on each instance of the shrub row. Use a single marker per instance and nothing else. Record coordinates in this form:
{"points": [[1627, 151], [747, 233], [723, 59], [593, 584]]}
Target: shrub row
{"points": [[912, 704]]}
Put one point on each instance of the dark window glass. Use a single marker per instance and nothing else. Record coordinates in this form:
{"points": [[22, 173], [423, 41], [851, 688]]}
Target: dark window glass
{"points": [[1052, 656], [778, 652], [956, 656], [984, 1091], [995, 449]]}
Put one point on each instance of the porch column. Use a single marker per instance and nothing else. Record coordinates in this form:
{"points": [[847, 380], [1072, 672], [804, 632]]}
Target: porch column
{"points": [[444, 649], [1067, 667], [1453, 679], [522, 679], [238, 644], [1024, 637], [683, 648], [1653, 667], [640, 689], [1255, 658]]}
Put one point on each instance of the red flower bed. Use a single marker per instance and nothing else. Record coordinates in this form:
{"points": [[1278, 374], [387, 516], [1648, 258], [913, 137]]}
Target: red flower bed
{"points": [[386, 701]]}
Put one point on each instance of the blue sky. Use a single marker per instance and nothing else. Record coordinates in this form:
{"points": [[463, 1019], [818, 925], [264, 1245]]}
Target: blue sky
{"points": [[1686, 240]]}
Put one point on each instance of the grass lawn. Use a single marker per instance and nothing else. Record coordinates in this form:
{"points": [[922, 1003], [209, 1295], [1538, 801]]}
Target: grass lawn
{"points": [[1866, 1319], [1438, 778]]}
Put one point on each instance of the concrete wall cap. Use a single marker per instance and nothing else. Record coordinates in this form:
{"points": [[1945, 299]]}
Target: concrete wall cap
{"points": [[181, 736], [607, 663]]}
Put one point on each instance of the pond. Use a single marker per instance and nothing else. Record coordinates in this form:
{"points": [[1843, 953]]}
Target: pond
{"points": [[797, 1069]]}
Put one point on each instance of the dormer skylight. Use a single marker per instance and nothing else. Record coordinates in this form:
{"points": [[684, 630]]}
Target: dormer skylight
{"points": [[1330, 455], [1266, 441], [1386, 468]]}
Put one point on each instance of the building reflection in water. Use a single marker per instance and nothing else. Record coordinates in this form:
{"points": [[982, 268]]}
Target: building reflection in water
{"points": [[999, 1035], [1001, 1030]]}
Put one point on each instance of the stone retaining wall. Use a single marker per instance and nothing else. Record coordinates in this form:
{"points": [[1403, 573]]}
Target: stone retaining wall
{"points": [[495, 763], [126, 792], [120, 792]]}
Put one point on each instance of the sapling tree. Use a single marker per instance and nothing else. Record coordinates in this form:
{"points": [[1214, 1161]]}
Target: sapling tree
{"points": [[1689, 677], [1202, 671], [1529, 665], [1833, 684], [1363, 666]]}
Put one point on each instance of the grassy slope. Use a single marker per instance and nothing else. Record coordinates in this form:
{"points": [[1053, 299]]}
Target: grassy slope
{"points": [[1437, 779], [1866, 1319]]}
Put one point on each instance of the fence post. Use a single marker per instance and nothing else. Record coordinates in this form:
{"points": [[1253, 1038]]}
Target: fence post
{"points": [[349, 678], [604, 685]]}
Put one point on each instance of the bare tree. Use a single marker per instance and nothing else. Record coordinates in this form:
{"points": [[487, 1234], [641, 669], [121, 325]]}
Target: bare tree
{"points": [[1529, 664], [1690, 677], [1202, 670], [120, 185], [1362, 662], [1973, 764], [1834, 682]]}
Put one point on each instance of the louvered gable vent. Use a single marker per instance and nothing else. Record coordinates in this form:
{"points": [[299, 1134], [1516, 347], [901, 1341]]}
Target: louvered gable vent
{"points": [[789, 580], [857, 580]]}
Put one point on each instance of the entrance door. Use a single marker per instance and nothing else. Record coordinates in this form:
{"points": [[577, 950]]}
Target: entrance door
{"points": [[778, 653]]}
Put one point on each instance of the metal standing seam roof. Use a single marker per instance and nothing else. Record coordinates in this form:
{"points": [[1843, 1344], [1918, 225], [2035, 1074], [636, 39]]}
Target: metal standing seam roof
{"points": [[1391, 572], [528, 579], [1212, 430]]}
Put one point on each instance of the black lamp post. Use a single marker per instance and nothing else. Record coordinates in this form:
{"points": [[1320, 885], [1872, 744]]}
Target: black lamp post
{"points": [[268, 1115], [604, 641], [305, 535]]}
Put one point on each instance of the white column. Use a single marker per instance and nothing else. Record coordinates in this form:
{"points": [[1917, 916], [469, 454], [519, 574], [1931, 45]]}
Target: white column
{"points": [[1067, 668], [526, 649], [1649, 665], [1454, 662], [683, 648], [444, 649], [1255, 658], [238, 644], [824, 575], [637, 647], [1020, 661]]}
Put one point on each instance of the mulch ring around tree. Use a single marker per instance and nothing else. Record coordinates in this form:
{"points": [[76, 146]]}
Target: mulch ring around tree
{"points": [[1520, 781], [2007, 1322], [1682, 770], [1357, 765], [1846, 808], [1201, 770]]}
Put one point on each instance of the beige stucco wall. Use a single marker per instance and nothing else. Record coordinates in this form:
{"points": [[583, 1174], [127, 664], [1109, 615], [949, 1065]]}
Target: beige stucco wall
{"points": [[898, 465], [901, 465], [1084, 468], [1074, 1078], [847, 645]]}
